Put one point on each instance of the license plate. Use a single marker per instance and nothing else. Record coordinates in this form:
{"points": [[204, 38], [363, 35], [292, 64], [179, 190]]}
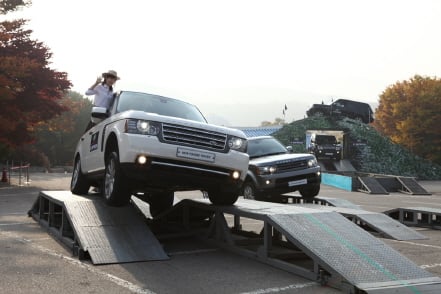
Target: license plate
{"points": [[195, 154], [297, 183], [329, 153]]}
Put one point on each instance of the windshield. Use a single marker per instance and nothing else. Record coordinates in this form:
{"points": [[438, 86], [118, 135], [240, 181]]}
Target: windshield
{"points": [[325, 140], [159, 105], [265, 146]]}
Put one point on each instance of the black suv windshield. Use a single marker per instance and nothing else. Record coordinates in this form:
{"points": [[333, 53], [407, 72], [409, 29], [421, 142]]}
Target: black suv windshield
{"points": [[159, 105], [264, 147], [325, 140]]}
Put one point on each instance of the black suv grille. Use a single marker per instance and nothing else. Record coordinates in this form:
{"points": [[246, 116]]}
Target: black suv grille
{"points": [[193, 137], [291, 165]]}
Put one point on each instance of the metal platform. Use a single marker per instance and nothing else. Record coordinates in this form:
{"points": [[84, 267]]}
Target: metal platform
{"points": [[323, 246], [370, 185], [90, 228], [417, 216], [411, 186], [318, 245], [326, 201], [377, 223]]}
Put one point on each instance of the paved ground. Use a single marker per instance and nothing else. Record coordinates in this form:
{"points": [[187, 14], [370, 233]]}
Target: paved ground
{"points": [[33, 262]]}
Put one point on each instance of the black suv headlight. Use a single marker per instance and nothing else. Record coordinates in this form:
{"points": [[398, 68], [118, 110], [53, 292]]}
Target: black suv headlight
{"points": [[266, 170], [312, 162], [238, 144], [143, 127]]}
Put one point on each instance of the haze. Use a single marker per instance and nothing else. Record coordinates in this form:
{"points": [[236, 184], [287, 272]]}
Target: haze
{"points": [[241, 61]]}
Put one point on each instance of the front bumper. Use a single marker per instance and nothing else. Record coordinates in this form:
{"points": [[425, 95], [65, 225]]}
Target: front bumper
{"points": [[174, 167], [281, 183]]}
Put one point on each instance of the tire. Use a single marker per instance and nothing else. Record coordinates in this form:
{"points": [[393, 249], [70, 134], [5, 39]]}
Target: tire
{"points": [[160, 202], [115, 189], [310, 191], [249, 190], [78, 183], [223, 197]]}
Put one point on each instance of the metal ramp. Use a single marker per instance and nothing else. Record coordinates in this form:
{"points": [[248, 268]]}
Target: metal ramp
{"points": [[318, 245], [91, 228], [377, 223], [417, 216], [370, 185], [319, 200], [411, 186]]}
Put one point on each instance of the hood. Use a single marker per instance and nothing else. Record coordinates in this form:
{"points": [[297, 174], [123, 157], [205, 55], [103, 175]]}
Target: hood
{"points": [[281, 158], [136, 114]]}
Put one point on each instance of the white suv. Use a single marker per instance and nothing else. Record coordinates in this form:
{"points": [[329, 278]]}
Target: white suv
{"points": [[152, 146]]}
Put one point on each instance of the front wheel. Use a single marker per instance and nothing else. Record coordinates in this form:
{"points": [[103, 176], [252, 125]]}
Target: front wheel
{"points": [[115, 189], [79, 183], [310, 191], [249, 190], [223, 197]]}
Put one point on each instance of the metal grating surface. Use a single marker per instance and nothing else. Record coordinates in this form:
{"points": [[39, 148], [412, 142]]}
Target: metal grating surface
{"points": [[372, 185], [390, 227], [380, 222], [338, 202], [110, 234], [346, 249], [412, 186]]}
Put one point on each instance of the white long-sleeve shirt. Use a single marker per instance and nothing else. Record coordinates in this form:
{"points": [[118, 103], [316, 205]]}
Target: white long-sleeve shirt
{"points": [[103, 95]]}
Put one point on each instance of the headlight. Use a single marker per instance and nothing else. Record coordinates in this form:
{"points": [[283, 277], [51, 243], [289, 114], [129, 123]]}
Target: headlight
{"points": [[135, 126], [312, 162], [266, 170], [237, 143]]}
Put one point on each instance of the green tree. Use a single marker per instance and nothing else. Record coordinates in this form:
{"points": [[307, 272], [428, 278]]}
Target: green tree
{"points": [[57, 138], [409, 113], [277, 122]]}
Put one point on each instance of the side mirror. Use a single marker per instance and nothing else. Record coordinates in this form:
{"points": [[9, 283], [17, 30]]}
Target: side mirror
{"points": [[289, 148], [99, 114]]}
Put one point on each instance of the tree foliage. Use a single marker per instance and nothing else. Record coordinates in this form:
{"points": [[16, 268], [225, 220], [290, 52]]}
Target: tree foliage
{"points": [[277, 122], [29, 89], [11, 5], [409, 113], [57, 138]]}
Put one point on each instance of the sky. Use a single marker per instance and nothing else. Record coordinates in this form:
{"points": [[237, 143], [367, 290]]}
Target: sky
{"points": [[241, 61]]}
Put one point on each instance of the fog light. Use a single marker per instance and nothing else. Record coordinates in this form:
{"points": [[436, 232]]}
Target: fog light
{"points": [[268, 182], [318, 173], [142, 159], [235, 175]]}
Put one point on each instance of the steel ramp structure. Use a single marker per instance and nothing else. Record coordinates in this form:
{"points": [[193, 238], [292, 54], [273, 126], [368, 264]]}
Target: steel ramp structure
{"points": [[370, 185], [377, 223], [91, 228], [411, 186], [319, 200], [417, 216], [319, 245]]}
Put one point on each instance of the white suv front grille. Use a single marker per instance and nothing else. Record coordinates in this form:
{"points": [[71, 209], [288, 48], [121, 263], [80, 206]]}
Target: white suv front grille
{"points": [[183, 135]]}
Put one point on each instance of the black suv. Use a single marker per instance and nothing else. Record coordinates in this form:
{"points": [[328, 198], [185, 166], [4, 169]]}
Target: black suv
{"points": [[273, 170], [325, 146], [343, 107]]}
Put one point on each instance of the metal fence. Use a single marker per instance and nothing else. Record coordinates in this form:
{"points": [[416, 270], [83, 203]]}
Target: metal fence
{"points": [[16, 173]]}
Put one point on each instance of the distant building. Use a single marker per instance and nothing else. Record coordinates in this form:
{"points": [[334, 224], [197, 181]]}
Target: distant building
{"points": [[260, 131]]}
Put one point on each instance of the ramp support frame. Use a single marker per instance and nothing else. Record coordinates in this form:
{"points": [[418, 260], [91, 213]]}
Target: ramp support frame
{"points": [[52, 216]]}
